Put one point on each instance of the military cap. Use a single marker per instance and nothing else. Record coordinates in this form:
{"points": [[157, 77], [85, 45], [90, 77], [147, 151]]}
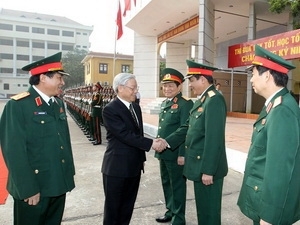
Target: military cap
{"points": [[198, 69], [98, 85], [271, 61], [171, 75], [51, 63]]}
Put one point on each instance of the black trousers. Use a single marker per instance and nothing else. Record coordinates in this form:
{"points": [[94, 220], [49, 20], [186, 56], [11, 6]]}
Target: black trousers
{"points": [[49, 211], [120, 195]]}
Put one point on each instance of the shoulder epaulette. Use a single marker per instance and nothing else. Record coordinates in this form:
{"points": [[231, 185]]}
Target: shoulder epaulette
{"points": [[20, 96], [277, 101], [211, 93], [185, 98]]}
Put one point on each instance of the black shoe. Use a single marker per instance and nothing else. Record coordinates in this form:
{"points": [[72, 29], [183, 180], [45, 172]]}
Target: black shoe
{"points": [[163, 219], [96, 143]]}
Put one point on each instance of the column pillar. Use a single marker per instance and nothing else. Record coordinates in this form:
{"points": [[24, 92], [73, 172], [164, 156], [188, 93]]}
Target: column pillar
{"points": [[251, 36], [206, 32]]}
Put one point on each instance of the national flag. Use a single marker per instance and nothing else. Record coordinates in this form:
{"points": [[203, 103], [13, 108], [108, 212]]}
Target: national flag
{"points": [[119, 23], [127, 6]]}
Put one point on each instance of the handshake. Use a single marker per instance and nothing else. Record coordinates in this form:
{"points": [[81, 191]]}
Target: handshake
{"points": [[159, 144]]}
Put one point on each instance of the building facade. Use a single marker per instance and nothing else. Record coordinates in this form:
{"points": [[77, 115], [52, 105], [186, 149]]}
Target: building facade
{"points": [[26, 37], [203, 30], [103, 67]]}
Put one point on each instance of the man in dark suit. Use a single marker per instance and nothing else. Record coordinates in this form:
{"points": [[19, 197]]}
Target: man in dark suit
{"points": [[174, 112], [36, 146], [125, 153], [270, 191], [204, 138]]}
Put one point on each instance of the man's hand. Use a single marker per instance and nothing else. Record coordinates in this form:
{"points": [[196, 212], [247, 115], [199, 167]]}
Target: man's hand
{"points": [[207, 179], [33, 200], [159, 144], [262, 222], [180, 160]]}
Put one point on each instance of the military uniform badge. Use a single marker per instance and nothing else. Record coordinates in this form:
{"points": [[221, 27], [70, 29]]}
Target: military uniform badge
{"points": [[200, 109], [174, 106]]}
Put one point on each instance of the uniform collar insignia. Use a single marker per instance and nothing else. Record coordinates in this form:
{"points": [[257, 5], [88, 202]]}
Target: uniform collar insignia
{"points": [[202, 99], [175, 99], [38, 101], [269, 107]]}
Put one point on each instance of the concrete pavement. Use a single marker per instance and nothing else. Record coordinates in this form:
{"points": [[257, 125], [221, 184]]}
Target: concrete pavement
{"points": [[84, 204]]}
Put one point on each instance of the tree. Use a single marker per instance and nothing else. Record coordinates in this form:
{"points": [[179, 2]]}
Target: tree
{"points": [[162, 66], [278, 6], [72, 65]]}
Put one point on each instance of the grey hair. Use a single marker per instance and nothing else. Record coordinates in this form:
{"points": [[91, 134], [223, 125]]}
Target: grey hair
{"points": [[121, 79]]}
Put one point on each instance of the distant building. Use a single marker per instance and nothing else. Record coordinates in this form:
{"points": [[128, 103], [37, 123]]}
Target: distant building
{"points": [[103, 67], [26, 37]]}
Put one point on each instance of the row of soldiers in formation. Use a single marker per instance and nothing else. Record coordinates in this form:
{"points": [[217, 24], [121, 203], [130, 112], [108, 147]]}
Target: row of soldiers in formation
{"points": [[85, 105]]}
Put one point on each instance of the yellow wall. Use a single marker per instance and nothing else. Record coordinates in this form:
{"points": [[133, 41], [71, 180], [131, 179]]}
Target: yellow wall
{"points": [[94, 75]]}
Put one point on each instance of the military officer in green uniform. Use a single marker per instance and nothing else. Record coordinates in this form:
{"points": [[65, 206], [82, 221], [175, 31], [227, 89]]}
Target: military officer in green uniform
{"points": [[97, 113], [270, 193], [174, 112], [36, 146], [204, 138]]}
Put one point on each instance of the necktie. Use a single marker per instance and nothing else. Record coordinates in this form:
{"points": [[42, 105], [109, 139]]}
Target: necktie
{"points": [[133, 115], [50, 102]]}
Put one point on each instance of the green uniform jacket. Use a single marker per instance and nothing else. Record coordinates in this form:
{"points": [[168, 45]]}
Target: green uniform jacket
{"points": [[271, 185], [36, 147], [96, 104], [172, 115], [204, 136]]}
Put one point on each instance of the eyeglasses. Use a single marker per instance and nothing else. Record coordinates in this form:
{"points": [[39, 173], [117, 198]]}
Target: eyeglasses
{"points": [[131, 88]]}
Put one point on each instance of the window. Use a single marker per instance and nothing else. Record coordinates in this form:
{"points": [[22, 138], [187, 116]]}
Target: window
{"points": [[4, 26], [38, 30], [23, 43], [103, 67], [53, 32], [37, 58], [77, 46], [6, 70], [88, 68], [38, 44], [67, 33], [67, 47], [23, 57], [78, 33], [6, 86], [20, 71], [6, 56], [53, 46], [6, 42], [125, 68], [84, 46], [22, 28], [85, 34]]}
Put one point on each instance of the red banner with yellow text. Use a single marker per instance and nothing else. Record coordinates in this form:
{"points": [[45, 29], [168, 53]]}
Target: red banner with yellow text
{"points": [[286, 45]]}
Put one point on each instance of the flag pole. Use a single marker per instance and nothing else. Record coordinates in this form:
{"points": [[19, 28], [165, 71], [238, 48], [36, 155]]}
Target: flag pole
{"points": [[115, 47], [118, 33]]}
